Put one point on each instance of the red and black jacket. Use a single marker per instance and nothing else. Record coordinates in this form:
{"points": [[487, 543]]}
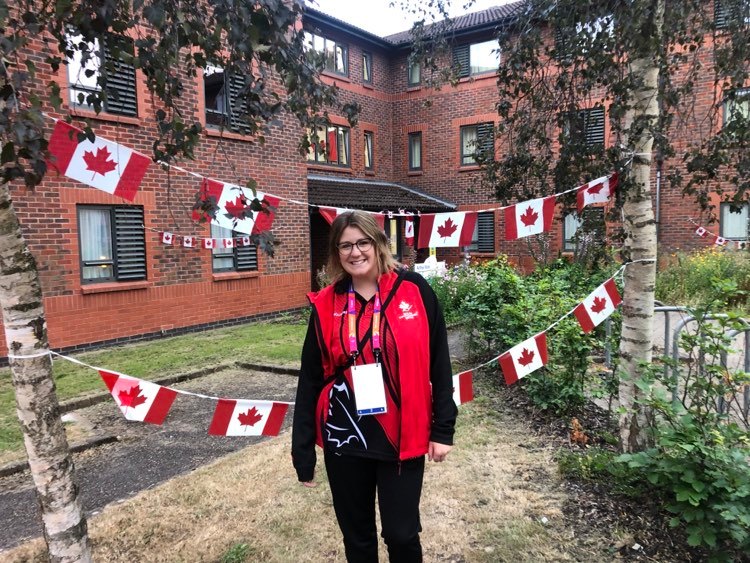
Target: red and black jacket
{"points": [[416, 368]]}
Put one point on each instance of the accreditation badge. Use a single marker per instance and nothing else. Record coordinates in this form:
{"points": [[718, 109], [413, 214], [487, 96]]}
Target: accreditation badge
{"points": [[369, 390]]}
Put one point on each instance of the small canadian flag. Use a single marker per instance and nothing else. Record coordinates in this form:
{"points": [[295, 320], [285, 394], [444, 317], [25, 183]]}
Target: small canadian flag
{"points": [[596, 191], [188, 242], [720, 241], [245, 241], [138, 399], [463, 387], [445, 230], [524, 358], [701, 232], [409, 232], [166, 238], [209, 243], [247, 418], [529, 217], [599, 305], [228, 243]]}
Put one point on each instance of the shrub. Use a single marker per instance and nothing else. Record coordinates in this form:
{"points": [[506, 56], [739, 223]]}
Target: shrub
{"points": [[454, 287]]}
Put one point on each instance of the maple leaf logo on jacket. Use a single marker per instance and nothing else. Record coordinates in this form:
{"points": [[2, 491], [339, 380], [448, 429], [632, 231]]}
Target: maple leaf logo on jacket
{"points": [[529, 217], [99, 164], [598, 305], [132, 397], [447, 229], [526, 357], [249, 418]]}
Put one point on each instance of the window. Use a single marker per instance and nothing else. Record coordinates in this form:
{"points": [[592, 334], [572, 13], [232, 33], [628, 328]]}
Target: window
{"points": [[335, 55], [112, 243], [737, 105], [733, 224], [585, 127], [483, 239], [585, 36], [415, 151], [237, 259], [477, 140], [222, 95], [331, 146], [369, 147], [107, 58], [392, 232], [579, 230], [476, 58], [731, 12], [415, 73], [367, 68]]}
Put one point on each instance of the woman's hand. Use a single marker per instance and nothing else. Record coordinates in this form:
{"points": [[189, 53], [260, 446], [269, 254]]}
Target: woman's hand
{"points": [[437, 452]]}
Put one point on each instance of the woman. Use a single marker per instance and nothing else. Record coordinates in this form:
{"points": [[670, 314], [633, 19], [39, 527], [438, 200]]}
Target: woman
{"points": [[375, 391]]}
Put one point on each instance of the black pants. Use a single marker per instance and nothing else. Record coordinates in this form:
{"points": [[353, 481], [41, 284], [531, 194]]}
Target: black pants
{"points": [[354, 481]]}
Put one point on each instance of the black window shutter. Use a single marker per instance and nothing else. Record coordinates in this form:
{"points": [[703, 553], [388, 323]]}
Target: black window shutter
{"points": [[727, 12], [237, 106], [120, 83], [561, 45], [594, 126], [246, 257], [486, 140], [130, 243], [486, 232], [461, 59]]}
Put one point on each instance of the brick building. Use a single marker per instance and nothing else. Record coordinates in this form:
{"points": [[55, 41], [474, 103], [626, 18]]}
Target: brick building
{"points": [[107, 277]]}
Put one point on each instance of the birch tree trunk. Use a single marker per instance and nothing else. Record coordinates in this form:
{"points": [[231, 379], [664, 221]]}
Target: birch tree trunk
{"points": [[65, 529], [638, 214]]}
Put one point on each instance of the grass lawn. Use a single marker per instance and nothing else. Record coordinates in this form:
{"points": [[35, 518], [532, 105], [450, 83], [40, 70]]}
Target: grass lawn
{"points": [[270, 342]]}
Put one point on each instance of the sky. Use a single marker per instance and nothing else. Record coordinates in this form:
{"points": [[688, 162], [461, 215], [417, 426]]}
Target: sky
{"points": [[376, 16]]}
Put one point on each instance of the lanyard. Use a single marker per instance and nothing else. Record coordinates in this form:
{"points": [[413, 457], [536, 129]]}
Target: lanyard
{"points": [[352, 317]]}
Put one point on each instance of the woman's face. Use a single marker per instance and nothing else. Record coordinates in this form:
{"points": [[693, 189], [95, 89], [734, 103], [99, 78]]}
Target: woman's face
{"points": [[358, 260]]}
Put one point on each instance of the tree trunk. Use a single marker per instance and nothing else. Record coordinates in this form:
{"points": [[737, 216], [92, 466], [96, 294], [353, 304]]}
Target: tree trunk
{"points": [[638, 215], [65, 528]]}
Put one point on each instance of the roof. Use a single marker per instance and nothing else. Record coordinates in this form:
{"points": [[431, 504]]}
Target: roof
{"points": [[371, 195]]}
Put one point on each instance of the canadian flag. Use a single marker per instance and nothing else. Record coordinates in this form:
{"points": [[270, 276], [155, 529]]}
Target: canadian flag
{"points": [[529, 217], [228, 243], [701, 232], [330, 213], [596, 191], [138, 399], [442, 230], [740, 244], [524, 358], [209, 243], [463, 387], [600, 304], [188, 242], [103, 165], [166, 238], [233, 211], [409, 232], [720, 241], [247, 418], [245, 241]]}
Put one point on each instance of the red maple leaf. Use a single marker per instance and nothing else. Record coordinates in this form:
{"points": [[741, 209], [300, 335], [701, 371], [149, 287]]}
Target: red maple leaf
{"points": [[529, 217], [100, 164], [599, 305], [236, 208], [447, 229], [132, 397], [250, 417], [526, 357], [595, 189]]}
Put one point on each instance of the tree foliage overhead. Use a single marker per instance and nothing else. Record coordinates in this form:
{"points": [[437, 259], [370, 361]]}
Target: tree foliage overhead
{"points": [[261, 40]]}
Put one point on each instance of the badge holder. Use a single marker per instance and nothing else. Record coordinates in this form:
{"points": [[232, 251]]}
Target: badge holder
{"points": [[369, 389]]}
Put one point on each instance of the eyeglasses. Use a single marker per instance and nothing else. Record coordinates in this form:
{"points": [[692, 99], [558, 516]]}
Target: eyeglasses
{"points": [[363, 244]]}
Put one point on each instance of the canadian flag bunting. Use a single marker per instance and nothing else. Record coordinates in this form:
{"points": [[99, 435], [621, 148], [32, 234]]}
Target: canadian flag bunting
{"points": [[529, 217], [701, 232], [245, 241], [247, 418], [330, 213], [228, 243], [443, 230], [463, 387], [103, 165], [233, 212], [188, 242], [209, 243], [720, 241], [138, 399], [599, 305], [166, 238], [524, 358], [409, 232], [596, 191]]}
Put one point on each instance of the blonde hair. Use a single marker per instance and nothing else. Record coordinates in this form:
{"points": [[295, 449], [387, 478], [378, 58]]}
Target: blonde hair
{"points": [[370, 228]]}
